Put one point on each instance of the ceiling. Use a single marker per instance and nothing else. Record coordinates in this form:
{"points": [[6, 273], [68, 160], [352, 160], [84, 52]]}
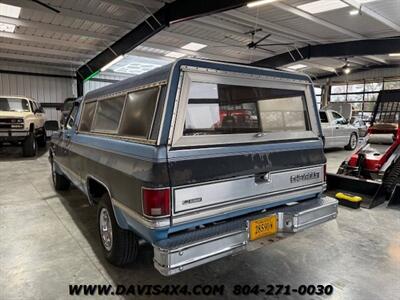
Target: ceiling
{"points": [[82, 29]]}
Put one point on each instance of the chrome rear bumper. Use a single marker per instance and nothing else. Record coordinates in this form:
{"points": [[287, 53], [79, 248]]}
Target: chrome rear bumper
{"points": [[188, 250]]}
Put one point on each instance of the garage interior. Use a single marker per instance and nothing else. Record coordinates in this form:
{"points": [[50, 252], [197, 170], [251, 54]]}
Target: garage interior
{"points": [[57, 49]]}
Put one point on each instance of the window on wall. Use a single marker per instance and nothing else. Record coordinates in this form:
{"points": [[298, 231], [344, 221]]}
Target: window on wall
{"points": [[361, 95]]}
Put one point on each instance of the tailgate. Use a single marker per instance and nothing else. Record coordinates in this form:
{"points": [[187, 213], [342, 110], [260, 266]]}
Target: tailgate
{"points": [[211, 181]]}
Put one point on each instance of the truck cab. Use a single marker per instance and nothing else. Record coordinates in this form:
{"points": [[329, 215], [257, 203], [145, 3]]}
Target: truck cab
{"points": [[201, 159]]}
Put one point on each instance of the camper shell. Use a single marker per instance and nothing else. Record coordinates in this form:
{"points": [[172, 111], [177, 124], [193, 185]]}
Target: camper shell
{"points": [[193, 154]]}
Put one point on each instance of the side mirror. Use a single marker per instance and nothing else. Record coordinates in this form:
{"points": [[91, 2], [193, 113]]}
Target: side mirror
{"points": [[51, 125]]}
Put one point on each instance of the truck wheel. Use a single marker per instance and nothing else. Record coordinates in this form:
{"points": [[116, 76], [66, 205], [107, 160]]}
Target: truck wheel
{"points": [[29, 146], [391, 179], [353, 142], [61, 183], [120, 246], [41, 140]]}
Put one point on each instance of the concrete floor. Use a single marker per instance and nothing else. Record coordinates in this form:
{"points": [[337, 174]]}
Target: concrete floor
{"points": [[49, 240]]}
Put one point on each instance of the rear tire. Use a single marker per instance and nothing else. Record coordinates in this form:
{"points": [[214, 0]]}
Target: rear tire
{"points": [[391, 179], [120, 246], [61, 183], [29, 146], [353, 142]]}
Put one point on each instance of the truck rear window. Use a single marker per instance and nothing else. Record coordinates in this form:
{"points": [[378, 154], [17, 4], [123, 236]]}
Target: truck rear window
{"points": [[229, 109]]}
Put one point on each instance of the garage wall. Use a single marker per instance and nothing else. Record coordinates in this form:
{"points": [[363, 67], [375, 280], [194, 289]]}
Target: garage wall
{"points": [[42, 88]]}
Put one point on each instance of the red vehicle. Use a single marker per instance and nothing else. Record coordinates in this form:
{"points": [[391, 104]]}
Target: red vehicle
{"points": [[373, 171]]}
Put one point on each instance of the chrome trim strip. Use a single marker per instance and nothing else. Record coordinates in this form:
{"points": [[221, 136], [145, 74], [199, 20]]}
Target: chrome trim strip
{"points": [[230, 207], [214, 194]]}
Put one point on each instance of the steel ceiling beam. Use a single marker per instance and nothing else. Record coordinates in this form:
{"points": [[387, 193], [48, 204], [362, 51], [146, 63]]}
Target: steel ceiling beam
{"points": [[40, 50], [170, 13], [39, 59], [343, 49], [55, 28], [49, 41]]}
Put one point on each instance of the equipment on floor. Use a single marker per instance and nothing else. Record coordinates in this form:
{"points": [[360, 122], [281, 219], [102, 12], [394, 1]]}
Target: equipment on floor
{"points": [[373, 171], [349, 200]]}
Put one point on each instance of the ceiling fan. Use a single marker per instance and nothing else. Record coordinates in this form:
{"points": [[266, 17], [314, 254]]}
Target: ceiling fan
{"points": [[258, 44]]}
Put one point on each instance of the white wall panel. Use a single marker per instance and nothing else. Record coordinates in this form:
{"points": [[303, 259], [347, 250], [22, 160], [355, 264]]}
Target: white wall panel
{"points": [[42, 88]]}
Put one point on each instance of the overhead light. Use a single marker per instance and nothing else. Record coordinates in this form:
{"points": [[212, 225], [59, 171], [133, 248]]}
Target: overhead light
{"points": [[259, 3], [394, 54], [322, 6], [297, 67], [194, 46], [7, 27], [114, 61], [354, 12], [346, 70], [9, 10], [174, 54]]}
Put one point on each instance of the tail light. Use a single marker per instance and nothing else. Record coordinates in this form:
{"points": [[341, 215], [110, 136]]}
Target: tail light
{"points": [[156, 202]]}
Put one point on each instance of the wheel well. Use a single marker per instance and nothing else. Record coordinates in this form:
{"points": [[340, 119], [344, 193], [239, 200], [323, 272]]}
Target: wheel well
{"points": [[95, 190], [31, 127]]}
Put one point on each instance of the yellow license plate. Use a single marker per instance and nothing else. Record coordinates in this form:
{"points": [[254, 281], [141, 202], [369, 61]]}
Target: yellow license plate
{"points": [[263, 227]]}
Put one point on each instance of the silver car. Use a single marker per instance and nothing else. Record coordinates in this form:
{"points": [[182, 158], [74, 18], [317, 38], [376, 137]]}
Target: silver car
{"points": [[338, 131]]}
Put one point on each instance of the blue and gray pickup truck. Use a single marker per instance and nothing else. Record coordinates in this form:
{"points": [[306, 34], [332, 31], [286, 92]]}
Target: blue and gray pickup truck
{"points": [[201, 159]]}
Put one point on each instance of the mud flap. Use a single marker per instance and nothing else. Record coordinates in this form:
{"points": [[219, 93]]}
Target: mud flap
{"points": [[394, 201], [370, 191]]}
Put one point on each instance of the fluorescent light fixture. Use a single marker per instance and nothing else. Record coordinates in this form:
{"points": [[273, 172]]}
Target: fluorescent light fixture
{"points": [[9, 10], [394, 54], [354, 12], [194, 46], [320, 6], [114, 61], [174, 54], [297, 67], [259, 3], [7, 27]]}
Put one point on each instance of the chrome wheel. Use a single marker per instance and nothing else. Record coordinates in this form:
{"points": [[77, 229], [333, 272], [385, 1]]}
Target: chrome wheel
{"points": [[353, 141], [105, 229]]}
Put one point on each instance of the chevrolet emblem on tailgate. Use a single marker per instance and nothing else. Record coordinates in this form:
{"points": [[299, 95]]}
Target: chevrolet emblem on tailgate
{"points": [[304, 177], [191, 201]]}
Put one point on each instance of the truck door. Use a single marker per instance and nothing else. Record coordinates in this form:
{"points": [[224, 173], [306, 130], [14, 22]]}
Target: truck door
{"points": [[68, 133]]}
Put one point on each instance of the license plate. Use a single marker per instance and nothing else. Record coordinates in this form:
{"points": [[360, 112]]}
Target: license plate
{"points": [[263, 227]]}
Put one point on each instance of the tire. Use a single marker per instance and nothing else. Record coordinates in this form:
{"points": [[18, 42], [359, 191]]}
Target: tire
{"points": [[353, 142], [41, 140], [121, 246], [391, 179], [29, 146], [60, 182]]}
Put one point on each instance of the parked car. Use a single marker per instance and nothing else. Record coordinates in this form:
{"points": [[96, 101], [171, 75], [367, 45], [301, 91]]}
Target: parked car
{"points": [[152, 153], [360, 124], [22, 122], [338, 131]]}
